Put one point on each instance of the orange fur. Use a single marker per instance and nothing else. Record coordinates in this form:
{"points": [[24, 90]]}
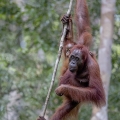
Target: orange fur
{"points": [[83, 23], [85, 85]]}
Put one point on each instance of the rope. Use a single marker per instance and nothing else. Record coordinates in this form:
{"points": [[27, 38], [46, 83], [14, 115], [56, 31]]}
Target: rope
{"points": [[57, 60]]}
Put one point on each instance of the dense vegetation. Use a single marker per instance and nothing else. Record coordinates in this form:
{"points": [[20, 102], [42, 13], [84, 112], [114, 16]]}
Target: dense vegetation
{"points": [[29, 38]]}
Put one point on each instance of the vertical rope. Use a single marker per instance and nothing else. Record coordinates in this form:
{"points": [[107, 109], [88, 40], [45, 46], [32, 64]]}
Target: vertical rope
{"points": [[57, 60]]}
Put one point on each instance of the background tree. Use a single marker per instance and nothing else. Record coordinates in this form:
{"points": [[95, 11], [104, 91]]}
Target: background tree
{"points": [[104, 57]]}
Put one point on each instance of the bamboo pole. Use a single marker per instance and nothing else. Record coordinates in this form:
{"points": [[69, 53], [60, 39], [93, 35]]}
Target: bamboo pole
{"points": [[57, 60]]}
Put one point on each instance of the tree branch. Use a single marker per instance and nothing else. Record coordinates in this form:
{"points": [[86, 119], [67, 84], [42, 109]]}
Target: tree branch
{"points": [[57, 60]]}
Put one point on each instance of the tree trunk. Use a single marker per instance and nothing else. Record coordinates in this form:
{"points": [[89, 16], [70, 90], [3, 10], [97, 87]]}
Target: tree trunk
{"points": [[11, 113], [104, 55]]}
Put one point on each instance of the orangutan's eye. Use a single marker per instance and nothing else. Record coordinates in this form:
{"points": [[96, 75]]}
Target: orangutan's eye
{"points": [[77, 58]]}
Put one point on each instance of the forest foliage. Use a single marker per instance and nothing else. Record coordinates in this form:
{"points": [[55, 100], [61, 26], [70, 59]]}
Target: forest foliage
{"points": [[29, 38]]}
